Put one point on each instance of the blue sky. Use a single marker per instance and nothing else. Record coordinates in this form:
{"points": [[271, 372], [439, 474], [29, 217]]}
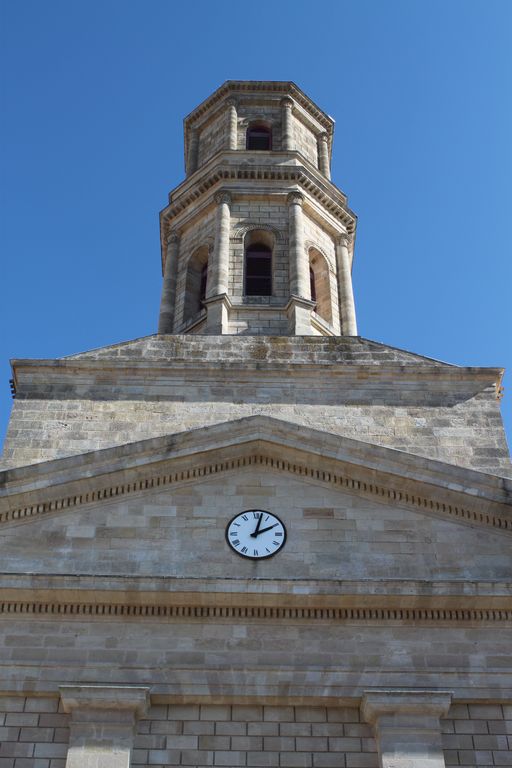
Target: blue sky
{"points": [[93, 97]]}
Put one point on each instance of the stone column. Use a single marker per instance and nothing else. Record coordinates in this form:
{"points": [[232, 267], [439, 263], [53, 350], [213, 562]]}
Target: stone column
{"points": [[346, 292], [168, 299], [219, 272], [406, 725], [323, 154], [287, 123], [103, 723], [298, 263], [232, 137], [193, 151]]}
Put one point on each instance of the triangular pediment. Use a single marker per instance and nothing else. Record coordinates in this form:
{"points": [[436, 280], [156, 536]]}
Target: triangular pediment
{"points": [[404, 479], [140, 530]]}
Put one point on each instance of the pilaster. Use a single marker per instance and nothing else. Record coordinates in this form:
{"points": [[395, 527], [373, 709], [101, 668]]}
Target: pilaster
{"points": [[345, 289], [232, 136], [102, 724], [406, 725], [299, 268], [193, 151], [218, 274], [168, 299], [286, 122], [323, 154]]}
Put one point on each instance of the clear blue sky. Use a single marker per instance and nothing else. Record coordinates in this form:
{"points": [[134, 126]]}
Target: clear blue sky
{"points": [[93, 97]]}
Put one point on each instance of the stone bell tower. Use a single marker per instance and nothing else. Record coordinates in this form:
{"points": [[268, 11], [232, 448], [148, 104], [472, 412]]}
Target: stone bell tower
{"points": [[257, 239], [255, 538]]}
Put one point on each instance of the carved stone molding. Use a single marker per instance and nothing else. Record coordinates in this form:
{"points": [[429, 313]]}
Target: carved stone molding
{"points": [[173, 237], [240, 232], [295, 198], [287, 102], [344, 239], [312, 245], [232, 102], [195, 611], [222, 196], [323, 137], [156, 480]]}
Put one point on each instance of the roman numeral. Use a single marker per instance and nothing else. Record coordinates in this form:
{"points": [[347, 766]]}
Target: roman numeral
{"points": [[245, 517], [244, 549], [236, 543], [255, 552], [275, 543], [278, 534]]}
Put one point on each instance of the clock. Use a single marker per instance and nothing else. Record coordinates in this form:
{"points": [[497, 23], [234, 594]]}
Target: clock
{"points": [[255, 534]]}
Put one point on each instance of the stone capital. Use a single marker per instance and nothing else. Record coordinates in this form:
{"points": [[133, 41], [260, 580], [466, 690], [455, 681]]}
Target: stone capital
{"points": [[123, 698], [287, 102], [324, 136], [377, 704], [172, 237], [222, 196], [232, 102], [295, 198], [344, 239]]}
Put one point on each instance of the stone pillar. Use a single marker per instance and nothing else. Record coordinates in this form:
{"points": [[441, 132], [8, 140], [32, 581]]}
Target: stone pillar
{"points": [[232, 137], [219, 272], [168, 299], [102, 724], [193, 151], [323, 154], [298, 263], [287, 123], [346, 292], [406, 725]]}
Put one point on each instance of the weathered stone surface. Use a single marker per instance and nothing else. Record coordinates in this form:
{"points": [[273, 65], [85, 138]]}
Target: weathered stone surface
{"points": [[350, 386]]}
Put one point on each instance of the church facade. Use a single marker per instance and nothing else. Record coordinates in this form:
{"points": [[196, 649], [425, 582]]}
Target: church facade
{"points": [[255, 538]]}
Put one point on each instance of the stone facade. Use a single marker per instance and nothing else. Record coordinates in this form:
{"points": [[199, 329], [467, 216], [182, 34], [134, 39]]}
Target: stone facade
{"points": [[132, 635]]}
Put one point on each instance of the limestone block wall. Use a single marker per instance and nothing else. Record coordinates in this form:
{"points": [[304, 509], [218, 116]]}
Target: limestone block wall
{"points": [[241, 735], [305, 140], [478, 734], [268, 213], [34, 732], [62, 411], [331, 535], [212, 136]]}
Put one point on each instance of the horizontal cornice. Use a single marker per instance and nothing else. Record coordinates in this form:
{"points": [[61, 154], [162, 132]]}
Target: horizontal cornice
{"points": [[106, 596], [276, 88], [221, 170]]}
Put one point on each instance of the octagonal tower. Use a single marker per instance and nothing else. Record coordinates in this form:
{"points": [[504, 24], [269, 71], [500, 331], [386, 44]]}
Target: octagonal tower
{"points": [[257, 239]]}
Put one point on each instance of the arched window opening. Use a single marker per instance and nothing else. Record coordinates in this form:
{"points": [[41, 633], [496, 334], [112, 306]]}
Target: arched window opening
{"points": [[195, 284], [312, 283], [202, 284], [258, 263], [259, 136], [320, 282]]}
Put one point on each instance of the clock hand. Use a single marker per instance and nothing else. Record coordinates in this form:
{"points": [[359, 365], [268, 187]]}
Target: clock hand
{"points": [[263, 530], [255, 532]]}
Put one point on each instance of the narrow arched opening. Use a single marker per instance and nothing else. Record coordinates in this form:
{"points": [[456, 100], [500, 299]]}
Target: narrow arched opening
{"points": [[320, 284], [258, 249], [195, 283]]}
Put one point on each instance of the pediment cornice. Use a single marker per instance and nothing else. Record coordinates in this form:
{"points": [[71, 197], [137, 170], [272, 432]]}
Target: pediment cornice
{"points": [[390, 476]]}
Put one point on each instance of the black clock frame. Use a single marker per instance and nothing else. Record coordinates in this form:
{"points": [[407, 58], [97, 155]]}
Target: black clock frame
{"points": [[251, 557]]}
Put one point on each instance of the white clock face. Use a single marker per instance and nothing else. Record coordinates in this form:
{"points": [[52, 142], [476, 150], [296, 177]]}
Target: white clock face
{"points": [[256, 534]]}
